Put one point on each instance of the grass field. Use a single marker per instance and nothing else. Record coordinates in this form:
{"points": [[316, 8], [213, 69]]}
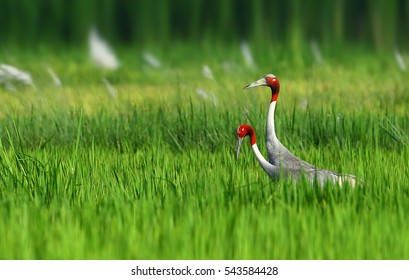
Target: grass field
{"points": [[151, 173]]}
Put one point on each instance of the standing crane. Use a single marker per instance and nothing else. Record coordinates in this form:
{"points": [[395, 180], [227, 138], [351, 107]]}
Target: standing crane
{"points": [[280, 159]]}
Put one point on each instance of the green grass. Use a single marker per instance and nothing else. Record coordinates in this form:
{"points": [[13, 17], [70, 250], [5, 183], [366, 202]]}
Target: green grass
{"points": [[152, 173]]}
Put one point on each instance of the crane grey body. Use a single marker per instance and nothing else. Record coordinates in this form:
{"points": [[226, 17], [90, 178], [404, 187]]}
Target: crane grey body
{"points": [[281, 162], [288, 165]]}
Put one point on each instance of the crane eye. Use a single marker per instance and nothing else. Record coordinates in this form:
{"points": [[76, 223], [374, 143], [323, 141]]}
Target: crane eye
{"points": [[239, 131], [273, 83]]}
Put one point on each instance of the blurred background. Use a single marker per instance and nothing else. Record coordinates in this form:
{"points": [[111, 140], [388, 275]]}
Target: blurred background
{"points": [[379, 24]]}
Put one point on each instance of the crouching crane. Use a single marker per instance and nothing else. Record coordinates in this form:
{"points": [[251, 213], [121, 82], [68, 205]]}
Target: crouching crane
{"points": [[291, 166]]}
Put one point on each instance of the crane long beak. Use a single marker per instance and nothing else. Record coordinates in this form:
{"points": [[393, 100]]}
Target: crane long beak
{"points": [[238, 145], [261, 82]]}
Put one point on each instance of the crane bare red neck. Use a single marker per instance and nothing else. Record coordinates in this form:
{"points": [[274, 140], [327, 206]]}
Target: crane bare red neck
{"points": [[274, 84]]}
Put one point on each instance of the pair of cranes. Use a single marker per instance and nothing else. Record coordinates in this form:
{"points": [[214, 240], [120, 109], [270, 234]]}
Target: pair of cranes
{"points": [[281, 162]]}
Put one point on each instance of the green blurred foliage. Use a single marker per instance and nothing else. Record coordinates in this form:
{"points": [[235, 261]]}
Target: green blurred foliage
{"points": [[377, 23]]}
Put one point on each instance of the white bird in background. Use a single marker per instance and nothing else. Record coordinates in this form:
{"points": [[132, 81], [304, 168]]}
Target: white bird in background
{"points": [[280, 159], [53, 76], [207, 72], [101, 53], [152, 60], [206, 95], [10, 75], [316, 52], [400, 60], [202, 93], [248, 57], [111, 90]]}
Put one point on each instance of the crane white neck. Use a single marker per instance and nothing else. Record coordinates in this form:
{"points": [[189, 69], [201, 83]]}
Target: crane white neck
{"points": [[271, 137], [271, 170]]}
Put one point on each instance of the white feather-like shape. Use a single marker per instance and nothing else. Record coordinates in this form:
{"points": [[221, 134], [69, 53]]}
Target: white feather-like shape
{"points": [[54, 76], [400, 60], [111, 90], [206, 95], [248, 57], [207, 72], [316, 52], [101, 53], [151, 60], [9, 74]]}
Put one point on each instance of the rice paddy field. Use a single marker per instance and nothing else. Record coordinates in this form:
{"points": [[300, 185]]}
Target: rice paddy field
{"points": [[147, 169]]}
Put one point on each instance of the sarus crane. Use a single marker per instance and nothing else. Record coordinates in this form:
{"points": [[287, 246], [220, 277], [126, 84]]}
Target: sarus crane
{"points": [[281, 162]]}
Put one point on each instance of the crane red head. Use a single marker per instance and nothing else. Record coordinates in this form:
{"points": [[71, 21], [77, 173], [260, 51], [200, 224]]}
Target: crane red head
{"points": [[269, 80], [243, 131]]}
